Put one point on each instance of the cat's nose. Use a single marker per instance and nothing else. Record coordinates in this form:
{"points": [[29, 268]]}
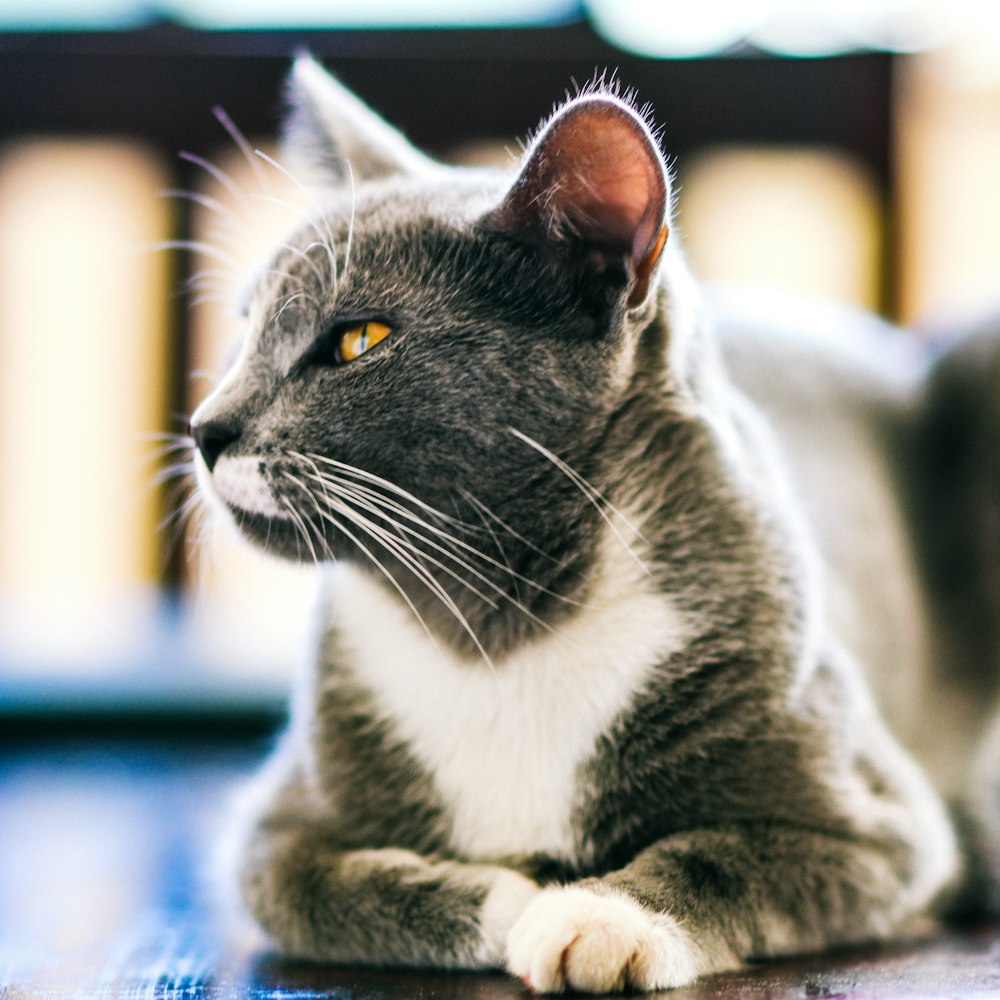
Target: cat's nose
{"points": [[213, 437]]}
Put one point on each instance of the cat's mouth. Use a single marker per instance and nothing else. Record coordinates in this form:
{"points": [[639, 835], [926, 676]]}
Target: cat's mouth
{"points": [[275, 507], [240, 488], [241, 483]]}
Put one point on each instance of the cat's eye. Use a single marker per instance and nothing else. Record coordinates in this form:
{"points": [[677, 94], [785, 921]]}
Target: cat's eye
{"points": [[354, 341]]}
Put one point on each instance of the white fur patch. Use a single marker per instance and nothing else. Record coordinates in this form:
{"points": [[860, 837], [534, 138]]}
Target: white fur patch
{"points": [[240, 483], [575, 939], [504, 745]]}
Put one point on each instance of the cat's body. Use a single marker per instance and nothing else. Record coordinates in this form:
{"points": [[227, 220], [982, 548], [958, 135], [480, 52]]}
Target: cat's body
{"points": [[588, 695]]}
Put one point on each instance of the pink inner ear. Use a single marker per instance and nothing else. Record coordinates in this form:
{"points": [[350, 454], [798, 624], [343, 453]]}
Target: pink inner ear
{"points": [[608, 180], [596, 169]]}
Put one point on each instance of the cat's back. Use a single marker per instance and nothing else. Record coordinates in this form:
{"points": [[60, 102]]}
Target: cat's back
{"points": [[841, 391]]}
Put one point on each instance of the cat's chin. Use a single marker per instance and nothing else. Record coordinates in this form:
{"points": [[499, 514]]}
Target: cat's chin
{"points": [[282, 538]]}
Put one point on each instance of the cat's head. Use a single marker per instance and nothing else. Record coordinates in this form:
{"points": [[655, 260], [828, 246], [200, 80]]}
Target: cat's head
{"points": [[443, 352]]}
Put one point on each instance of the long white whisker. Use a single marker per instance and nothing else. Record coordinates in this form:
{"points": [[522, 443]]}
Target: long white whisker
{"points": [[350, 490], [228, 237], [485, 513], [220, 298], [294, 297], [167, 473], [300, 524], [401, 547], [503, 553], [371, 501], [326, 238], [234, 222], [243, 145], [218, 173], [390, 504], [399, 540], [207, 279], [451, 543], [321, 243], [197, 246], [596, 498], [373, 559], [352, 470], [406, 555], [307, 260], [345, 488], [178, 523]]}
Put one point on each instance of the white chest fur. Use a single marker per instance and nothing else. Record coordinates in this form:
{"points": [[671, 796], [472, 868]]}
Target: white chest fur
{"points": [[504, 744]]}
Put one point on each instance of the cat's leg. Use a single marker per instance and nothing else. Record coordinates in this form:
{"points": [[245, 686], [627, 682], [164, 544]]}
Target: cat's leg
{"points": [[382, 906], [707, 900]]}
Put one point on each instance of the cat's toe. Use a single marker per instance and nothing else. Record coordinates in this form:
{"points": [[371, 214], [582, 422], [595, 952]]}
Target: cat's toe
{"points": [[576, 939]]}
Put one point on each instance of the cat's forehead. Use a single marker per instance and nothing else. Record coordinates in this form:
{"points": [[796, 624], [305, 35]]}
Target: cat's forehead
{"points": [[367, 248], [455, 195], [402, 205]]}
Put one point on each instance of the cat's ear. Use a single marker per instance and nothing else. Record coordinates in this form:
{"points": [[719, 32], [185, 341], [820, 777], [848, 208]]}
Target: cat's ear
{"points": [[329, 132], [594, 177]]}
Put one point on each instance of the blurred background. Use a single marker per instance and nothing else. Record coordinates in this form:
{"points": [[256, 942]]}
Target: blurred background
{"points": [[848, 149]]}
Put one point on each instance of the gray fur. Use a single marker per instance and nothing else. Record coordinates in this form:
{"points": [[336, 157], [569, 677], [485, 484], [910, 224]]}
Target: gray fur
{"points": [[748, 800]]}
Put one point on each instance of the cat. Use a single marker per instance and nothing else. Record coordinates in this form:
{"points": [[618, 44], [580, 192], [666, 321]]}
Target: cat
{"points": [[608, 573]]}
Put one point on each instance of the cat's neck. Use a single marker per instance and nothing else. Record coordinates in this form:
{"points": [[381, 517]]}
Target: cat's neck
{"points": [[484, 593], [616, 604]]}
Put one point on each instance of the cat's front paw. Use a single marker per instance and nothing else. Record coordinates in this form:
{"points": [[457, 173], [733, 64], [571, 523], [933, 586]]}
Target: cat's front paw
{"points": [[576, 939]]}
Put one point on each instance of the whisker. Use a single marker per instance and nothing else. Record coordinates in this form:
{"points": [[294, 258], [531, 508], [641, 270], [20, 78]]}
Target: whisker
{"points": [[216, 172], [197, 246], [353, 470], [172, 436], [407, 556], [176, 524], [596, 498], [374, 509], [178, 519], [503, 553], [320, 244], [180, 470], [403, 549], [300, 524], [235, 240], [220, 299], [243, 145], [209, 279], [303, 255], [326, 238], [352, 491], [294, 297], [384, 501], [219, 208], [485, 512], [380, 506], [373, 506], [455, 542], [376, 562]]}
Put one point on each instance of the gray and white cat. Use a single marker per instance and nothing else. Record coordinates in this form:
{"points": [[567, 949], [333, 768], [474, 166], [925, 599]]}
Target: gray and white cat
{"points": [[588, 700]]}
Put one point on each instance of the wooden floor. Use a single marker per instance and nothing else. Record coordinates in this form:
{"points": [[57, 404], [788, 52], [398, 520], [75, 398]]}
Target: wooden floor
{"points": [[106, 890]]}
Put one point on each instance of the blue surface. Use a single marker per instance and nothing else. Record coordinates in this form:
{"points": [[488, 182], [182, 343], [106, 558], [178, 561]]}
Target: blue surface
{"points": [[109, 888]]}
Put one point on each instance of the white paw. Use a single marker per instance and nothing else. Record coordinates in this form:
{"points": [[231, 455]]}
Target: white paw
{"points": [[575, 939], [509, 896]]}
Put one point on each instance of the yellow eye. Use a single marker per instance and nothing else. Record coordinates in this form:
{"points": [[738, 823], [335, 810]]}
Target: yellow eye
{"points": [[358, 339]]}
